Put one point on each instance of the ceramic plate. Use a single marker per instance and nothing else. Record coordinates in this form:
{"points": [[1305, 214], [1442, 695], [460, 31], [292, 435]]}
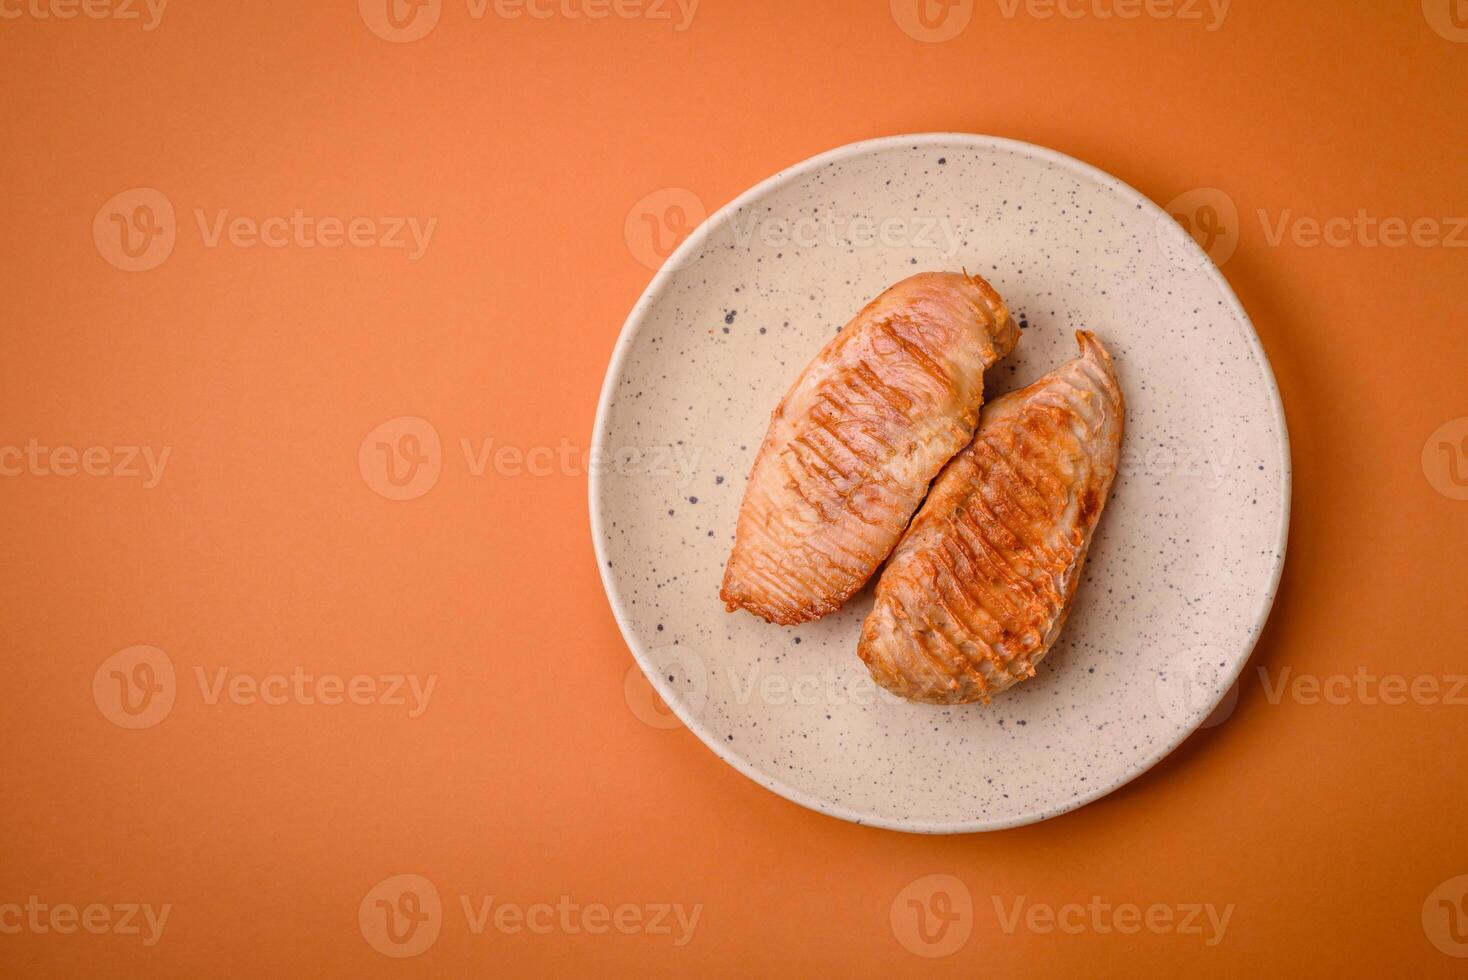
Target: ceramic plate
{"points": [[1184, 564]]}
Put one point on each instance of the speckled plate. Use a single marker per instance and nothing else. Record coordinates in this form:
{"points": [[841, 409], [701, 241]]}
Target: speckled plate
{"points": [[1183, 567]]}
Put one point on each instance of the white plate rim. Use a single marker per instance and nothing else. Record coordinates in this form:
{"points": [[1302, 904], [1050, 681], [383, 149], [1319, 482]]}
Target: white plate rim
{"points": [[632, 325]]}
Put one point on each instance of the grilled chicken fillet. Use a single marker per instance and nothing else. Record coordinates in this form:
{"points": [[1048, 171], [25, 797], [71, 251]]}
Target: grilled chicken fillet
{"points": [[978, 589], [851, 449]]}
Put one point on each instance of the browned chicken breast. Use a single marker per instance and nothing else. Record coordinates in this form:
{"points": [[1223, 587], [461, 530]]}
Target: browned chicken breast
{"points": [[854, 444], [979, 587]]}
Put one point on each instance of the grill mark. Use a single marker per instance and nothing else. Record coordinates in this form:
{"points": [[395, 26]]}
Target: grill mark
{"points": [[815, 471], [999, 607], [874, 521], [919, 356], [765, 588], [823, 422], [967, 607], [780, 574], [795, 584], [850, 497], [769, 590], [894, 397], [1052, 494], [1031, 439], [798, 540], [933, 662], [776, 555], [1016, 463], [1005, 509], [1084, 402], [1008, 511], [868, 464], [803, 582], [921, 655], [1038, 595], [960, 665], [795, 487], [1001, 571], [834, 549], [779, 555], [827, 426], [862, 557], [871, 428]]}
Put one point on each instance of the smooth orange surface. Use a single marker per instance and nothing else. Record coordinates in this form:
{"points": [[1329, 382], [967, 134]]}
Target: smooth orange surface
{"points": [[1335, 830]]}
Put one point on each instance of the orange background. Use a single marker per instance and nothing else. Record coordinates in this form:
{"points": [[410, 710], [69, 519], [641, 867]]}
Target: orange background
{"points": [[529, 776]]}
